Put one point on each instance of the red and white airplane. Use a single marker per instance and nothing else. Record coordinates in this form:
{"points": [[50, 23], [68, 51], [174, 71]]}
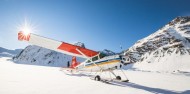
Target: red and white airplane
{"points": [[95, 61]]}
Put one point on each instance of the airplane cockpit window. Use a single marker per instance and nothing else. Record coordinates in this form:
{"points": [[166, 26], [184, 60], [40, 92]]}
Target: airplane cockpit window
{"points": [[102, 55]]}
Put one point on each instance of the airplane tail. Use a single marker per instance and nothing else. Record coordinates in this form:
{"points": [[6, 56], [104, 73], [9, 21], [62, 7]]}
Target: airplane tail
{"points": [[74, 62]]}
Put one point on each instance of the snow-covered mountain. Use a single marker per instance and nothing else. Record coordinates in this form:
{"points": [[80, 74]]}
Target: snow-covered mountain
{"points": [[108, 52], [80, 44], [36, 55], [168, 49], [9, 53]]}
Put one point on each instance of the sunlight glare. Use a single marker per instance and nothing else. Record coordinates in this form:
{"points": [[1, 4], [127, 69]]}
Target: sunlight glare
{"points": [[26, 28]]}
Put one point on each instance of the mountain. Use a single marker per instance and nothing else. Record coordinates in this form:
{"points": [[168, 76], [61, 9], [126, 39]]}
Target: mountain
{"points": [[36, 55], [8, 53], [80, 44], [168, 49], [108, 52]]}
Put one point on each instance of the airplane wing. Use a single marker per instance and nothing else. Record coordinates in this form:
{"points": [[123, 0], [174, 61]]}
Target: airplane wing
{"points": [[59, 46]]}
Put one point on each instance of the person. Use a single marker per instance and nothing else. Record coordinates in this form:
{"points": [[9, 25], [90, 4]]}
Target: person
{"points": [[68, 64]]}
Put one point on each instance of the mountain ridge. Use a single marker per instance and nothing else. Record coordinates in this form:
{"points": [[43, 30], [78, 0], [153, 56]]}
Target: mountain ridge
{"points": [[164, 49], [8, 53]]}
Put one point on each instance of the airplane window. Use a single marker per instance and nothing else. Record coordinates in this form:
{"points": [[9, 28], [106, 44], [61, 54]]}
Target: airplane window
{"points": [[102, 55]]}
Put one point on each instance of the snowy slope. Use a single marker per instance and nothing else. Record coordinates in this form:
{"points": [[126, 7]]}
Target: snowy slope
{"points": [[8, 53], [35, 55], [168, 49], [29, 79], [40, 56]]}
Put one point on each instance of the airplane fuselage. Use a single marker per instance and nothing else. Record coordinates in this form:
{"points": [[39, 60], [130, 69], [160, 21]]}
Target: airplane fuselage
{"points": [[105, 63]]}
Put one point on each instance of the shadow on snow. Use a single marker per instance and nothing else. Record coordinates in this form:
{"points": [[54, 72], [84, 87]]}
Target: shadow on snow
{"points": [[149, 89]]}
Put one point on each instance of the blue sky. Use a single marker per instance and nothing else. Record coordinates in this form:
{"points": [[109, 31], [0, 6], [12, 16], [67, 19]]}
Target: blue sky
{"points": [[100, 24]]}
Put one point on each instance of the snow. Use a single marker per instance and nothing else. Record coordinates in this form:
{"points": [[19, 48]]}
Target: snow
{"points": [[31, 79], [8, 53], [166, 50], [165, 61], [35, 55]]}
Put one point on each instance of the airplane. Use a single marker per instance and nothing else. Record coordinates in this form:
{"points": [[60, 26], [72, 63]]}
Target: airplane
{"points": [[94, 61]]}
